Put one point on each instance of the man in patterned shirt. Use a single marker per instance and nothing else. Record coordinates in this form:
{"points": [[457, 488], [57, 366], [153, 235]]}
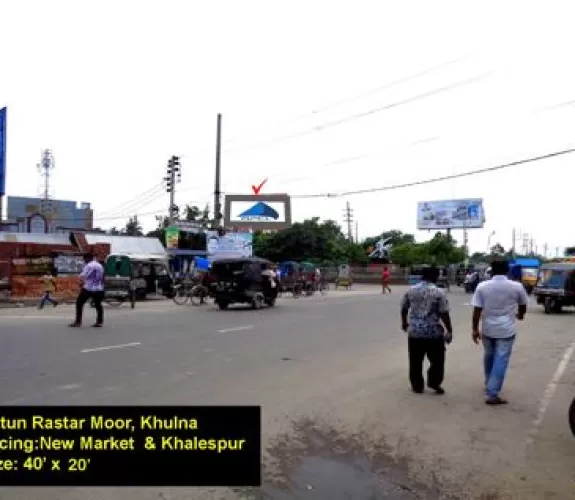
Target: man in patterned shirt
{"points": [[429, 329]]}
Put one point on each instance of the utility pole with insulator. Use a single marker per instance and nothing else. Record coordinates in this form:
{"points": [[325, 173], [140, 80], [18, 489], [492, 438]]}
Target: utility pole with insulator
{"points": [[173, 177], [348, 218]]}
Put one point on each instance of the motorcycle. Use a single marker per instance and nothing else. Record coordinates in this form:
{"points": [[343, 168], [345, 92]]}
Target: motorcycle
{"points": [[471, 283]]}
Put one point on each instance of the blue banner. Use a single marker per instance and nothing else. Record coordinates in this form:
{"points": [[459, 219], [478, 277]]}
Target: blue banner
{"points": [[2, 151]]}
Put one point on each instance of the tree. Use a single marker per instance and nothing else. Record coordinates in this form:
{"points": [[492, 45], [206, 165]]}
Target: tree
{"points": [[497, 249], [440, 250], [569, 251], [193, 213], [320, 242], [114, 231], [160, 232], [133, 227]]}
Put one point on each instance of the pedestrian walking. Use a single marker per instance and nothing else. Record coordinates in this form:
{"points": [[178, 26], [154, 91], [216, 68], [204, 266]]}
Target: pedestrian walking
{"points": [[92, 280], [385, 277], [49, 282], [425, 318], [498, 303]]}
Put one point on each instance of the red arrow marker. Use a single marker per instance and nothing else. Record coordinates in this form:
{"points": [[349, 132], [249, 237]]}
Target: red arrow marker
{"points": [[257, 189]]}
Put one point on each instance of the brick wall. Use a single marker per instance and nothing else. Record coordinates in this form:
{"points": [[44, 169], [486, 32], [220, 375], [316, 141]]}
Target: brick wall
{"points": [[31, 287]]}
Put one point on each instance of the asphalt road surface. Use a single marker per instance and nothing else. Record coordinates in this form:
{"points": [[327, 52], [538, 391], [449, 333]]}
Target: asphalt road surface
{"points": [[331, 375]]}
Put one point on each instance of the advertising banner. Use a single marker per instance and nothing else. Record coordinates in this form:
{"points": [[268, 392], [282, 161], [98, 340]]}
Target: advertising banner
{"points": [[2, 151], [172, 236], [258, 212], [229, 245], [451, 214]]}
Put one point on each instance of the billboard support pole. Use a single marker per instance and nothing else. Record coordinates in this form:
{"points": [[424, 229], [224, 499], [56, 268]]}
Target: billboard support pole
{"points": [[217, 181]]}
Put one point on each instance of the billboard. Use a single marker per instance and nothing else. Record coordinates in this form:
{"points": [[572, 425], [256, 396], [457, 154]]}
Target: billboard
{"points": [[172, 234], [230, 245], [2, 151], [451, 214], [270, 211]]}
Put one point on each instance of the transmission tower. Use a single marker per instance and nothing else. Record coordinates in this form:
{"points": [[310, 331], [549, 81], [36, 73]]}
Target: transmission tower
{"points": [[348, 218], [45, 168]]}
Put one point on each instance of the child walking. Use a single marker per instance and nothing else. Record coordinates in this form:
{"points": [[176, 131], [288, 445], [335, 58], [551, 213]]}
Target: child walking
{"points": [[49, 288]]}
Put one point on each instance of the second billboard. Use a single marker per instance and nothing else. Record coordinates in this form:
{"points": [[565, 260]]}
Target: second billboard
{"points": [[451, 214]]}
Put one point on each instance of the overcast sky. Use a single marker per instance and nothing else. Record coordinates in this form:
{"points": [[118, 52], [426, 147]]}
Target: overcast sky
{"points": [[115, 88]]}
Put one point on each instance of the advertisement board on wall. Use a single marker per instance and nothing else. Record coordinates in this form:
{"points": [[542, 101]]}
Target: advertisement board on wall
{"points": [[451, 214], [270, 211], [230, 245]]}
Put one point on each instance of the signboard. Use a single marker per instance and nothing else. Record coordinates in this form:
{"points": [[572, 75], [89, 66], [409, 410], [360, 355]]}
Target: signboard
{"points": [[32, 266], [189, 226], [2, 151], [270, 211], [451, 214], [228, 245], [69, 264], [172, 236]]}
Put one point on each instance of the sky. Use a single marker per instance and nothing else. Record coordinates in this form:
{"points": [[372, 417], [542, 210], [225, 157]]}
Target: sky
{"points": [[316, 96]]}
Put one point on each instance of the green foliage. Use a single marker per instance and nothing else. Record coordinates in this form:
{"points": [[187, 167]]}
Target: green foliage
{"points": [[569, 251], [320, 242], [441, 250], [133, 227]]}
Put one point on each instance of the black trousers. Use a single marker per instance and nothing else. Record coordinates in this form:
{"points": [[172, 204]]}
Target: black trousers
{"points": [[418, 349], [84, 297]]}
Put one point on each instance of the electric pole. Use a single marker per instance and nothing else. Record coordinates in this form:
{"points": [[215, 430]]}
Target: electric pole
{"points": [[348, 218], [545, 248], [217, 181], [174, 175], [513, 241]]}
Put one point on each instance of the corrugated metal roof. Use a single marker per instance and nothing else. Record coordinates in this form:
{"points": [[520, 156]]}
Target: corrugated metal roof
{"points": [[38, 238], [129, 245]]}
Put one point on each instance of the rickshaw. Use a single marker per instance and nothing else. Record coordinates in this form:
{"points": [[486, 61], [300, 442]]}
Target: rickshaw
{"points": [[248, 280], [525, 271], [555, 287]]}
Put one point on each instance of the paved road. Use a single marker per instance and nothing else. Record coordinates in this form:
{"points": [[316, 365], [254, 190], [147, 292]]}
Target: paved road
{"points": [[330, 373]]}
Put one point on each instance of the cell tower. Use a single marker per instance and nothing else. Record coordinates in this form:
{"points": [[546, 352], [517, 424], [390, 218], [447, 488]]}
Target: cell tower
{"points": [[45, 168]]}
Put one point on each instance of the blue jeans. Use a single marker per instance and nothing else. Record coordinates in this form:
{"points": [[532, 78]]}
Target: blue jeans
{"points": [[495, 362], [46, 298]]}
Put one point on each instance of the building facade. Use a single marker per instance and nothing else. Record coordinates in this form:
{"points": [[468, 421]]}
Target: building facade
{"points": [[35, 215]]}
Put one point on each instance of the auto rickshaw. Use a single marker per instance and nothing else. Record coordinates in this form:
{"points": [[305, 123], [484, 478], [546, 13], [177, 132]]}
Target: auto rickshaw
{"points": [[555, 287], [144, 275], [344, 277], [244, 281], [525, 271], [290, 281]]}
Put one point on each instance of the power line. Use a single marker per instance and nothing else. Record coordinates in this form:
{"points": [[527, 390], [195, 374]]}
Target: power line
{"points": [[365, 93], [379, 109], [439, 179], [135, 199]]}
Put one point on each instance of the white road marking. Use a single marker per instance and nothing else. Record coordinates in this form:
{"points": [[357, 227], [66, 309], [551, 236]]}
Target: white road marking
{"points": [[22, 316], [108, 347], [550, 392], [237, 329]]}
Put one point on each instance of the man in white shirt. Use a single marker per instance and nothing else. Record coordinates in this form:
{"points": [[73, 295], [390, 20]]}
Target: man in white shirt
{"points": [[498, 302]]}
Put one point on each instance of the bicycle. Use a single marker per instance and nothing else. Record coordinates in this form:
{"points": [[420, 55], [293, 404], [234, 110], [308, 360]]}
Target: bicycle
{"points": [[196, 294]]}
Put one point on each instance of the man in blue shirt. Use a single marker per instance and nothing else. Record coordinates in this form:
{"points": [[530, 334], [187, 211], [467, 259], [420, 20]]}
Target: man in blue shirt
{"points": [[425, 318]]}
